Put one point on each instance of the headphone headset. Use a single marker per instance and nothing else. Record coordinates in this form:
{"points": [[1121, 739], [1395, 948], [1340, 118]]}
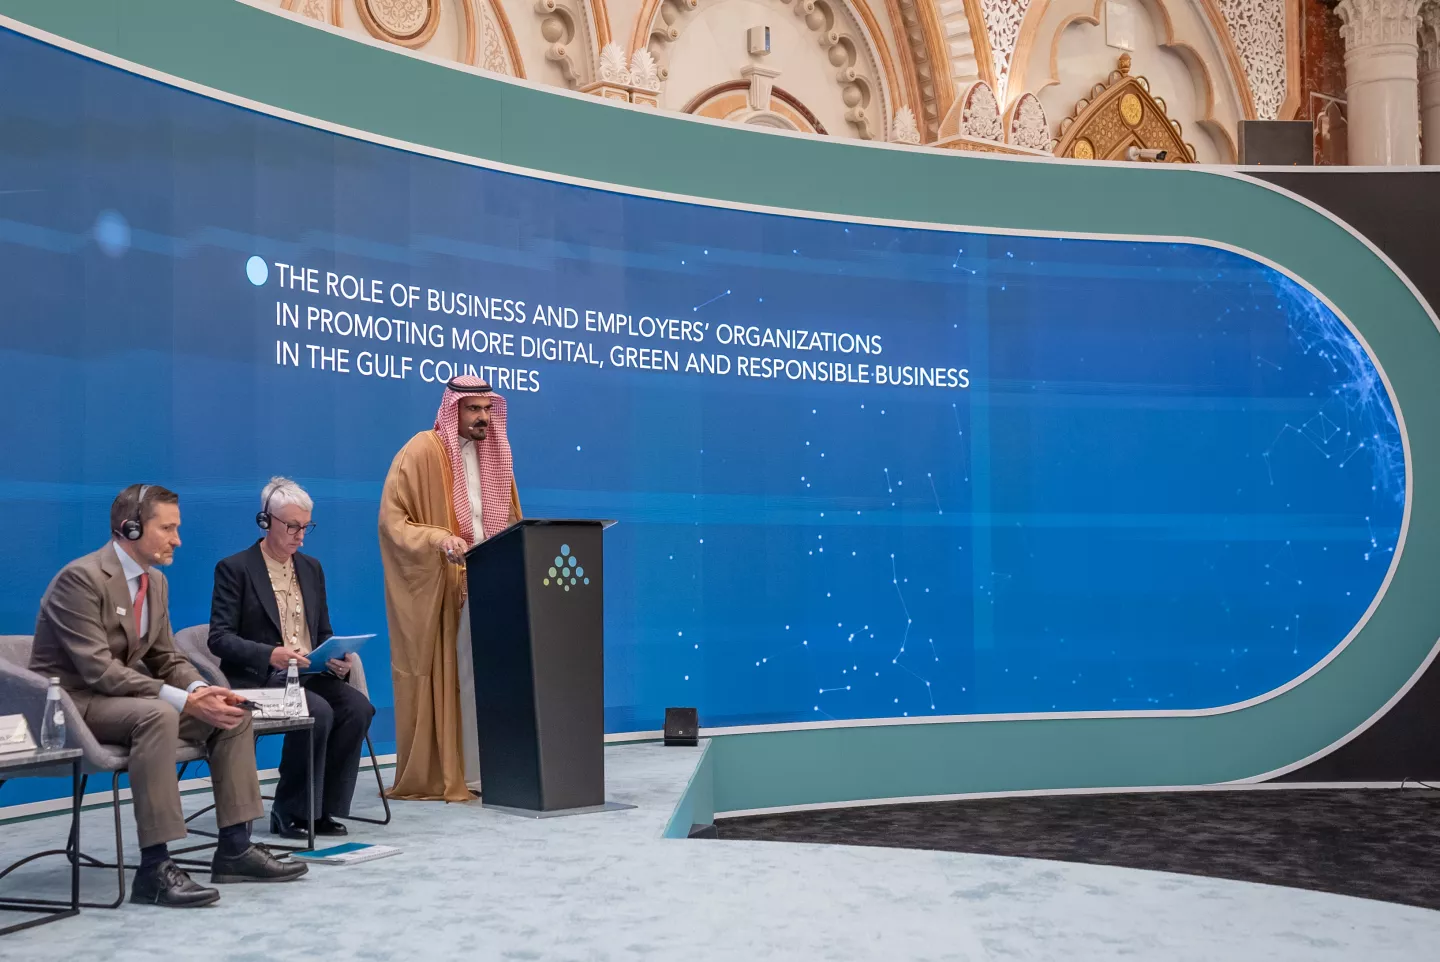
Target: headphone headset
{"points": [[132, 529], [262, 519]]}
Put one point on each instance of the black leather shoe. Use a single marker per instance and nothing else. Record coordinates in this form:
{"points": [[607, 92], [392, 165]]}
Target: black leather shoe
{"points": [[255, 864], [287, 827], [328, 826], [169, 885]]}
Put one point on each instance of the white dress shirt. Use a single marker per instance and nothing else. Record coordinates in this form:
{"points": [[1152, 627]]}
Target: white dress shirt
{"points": [[472, 488], [174, 697]]}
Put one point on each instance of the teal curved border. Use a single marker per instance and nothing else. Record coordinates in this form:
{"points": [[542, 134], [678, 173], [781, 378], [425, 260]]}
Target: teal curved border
{"points": [[257, 55]]}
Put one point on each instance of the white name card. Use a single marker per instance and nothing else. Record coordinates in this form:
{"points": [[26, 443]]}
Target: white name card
{"points": [[15, 735]]}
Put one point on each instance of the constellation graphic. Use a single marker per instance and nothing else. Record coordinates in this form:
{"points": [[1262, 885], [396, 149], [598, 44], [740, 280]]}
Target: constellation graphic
{"points": [[1350, 422], [1356, 417]]}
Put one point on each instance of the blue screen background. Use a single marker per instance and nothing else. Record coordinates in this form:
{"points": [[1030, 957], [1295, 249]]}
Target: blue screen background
{"points": [[1175, 481]]}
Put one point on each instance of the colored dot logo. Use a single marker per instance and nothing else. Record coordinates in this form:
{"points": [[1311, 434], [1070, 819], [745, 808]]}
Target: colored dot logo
{"points": [[565, 572], [257, 270]]}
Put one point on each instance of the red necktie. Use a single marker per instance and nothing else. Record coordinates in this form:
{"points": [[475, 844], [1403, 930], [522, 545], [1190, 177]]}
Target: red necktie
{"points": [[140, 600]]}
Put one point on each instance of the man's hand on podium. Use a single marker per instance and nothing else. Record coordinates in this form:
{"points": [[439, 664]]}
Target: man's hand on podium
{"points": [[453, 548]]}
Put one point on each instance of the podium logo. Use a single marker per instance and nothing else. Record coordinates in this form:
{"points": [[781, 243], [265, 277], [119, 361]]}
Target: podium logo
{"points": [[566, 571]]}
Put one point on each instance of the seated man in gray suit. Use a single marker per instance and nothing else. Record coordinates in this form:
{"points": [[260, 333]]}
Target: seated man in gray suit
{"points": [[104, 631]]}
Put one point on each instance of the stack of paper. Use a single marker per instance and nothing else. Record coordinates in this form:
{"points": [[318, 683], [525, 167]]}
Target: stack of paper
{"points": [[347, 854]]}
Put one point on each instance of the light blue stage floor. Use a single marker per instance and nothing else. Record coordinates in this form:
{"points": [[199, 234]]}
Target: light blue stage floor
{"points": [[476, 884]]}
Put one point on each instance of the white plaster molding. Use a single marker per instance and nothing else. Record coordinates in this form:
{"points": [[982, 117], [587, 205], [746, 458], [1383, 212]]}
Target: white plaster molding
{"points": [[762, 83], [643, 71], [964, 68], [839, 31], [1429, 37], [910, 32], [980, 113], [905, 130], [1366, 23], [1257, 28], [1002, 26], [1429, 79], [613, 68], [399, 17], [493, 54], [314, 9], [558, 27], [1028, 126]]}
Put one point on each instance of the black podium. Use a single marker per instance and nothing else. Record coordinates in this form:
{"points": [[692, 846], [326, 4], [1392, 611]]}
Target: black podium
{"points": [[537, 628]]}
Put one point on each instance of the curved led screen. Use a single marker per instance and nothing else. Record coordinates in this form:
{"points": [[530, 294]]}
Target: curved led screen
{"points": [[861, 470]]}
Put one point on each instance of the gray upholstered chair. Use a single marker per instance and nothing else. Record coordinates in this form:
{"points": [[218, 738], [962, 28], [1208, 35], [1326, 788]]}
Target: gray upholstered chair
{"points": [[194, 643], [24, 690]]}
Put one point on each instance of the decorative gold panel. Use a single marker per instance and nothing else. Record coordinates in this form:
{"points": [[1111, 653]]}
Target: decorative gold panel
{"points": [[1119, 114], [1130, 110]]}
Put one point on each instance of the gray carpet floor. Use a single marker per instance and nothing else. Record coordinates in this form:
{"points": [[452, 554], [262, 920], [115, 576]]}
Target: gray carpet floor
{"points": [[480, 885], [1376, 843]]}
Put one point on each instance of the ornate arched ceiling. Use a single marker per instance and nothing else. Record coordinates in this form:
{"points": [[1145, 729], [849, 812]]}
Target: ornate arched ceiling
{"points": [[916, 54]]}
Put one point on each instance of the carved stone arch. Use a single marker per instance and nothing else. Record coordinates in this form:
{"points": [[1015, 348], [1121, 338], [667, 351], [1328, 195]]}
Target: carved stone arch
{"points": [[729, 101], [1036, 62], [1122, 113], [489, 38], [660, 22], [486, 39], [944, 46]]}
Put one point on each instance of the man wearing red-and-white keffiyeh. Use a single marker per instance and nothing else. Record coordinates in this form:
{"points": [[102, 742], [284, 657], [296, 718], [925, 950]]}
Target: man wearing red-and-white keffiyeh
{"points": [[448, 489]]}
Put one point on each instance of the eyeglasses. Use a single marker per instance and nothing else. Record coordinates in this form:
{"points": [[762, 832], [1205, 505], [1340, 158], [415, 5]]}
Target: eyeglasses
{"points": [[294, 528]]}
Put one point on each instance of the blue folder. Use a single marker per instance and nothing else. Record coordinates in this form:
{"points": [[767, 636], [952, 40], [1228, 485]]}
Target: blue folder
{"points": [[336, 646]]}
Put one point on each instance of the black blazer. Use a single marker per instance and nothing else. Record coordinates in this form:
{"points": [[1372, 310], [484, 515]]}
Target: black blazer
{"points": [[245, 621]]}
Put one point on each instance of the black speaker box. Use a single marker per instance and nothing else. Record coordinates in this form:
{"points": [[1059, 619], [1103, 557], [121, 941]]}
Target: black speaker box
{"points": [[682, 726], [1277, 143]]}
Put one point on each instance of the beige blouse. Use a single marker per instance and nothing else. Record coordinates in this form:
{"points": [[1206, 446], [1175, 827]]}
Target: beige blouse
{"points": [[290, 604]]}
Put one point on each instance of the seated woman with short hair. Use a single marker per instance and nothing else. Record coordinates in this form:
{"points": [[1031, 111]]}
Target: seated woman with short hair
{"points": [[269, 606]]}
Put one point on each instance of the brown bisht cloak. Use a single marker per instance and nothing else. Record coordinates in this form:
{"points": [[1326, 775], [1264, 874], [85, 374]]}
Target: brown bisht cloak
{"points": [[424, 594]]}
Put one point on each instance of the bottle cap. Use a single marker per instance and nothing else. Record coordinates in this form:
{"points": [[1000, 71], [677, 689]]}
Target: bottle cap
{"points": [[294, 662], [54, 679]]}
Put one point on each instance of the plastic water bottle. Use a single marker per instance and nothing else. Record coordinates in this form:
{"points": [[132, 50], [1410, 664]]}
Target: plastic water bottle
{"points": [[52, 724], [292, 704]]}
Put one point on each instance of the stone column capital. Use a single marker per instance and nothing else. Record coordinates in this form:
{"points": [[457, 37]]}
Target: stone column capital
{"points": [[1429, 36], [1369, 22]]}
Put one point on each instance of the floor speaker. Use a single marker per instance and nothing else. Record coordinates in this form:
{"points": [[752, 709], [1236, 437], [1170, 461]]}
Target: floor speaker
{"points": [[682, 726], [1277, 143]]}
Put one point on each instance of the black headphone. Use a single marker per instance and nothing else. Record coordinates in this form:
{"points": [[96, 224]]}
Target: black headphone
{"points": [[262, 519], [132, 529]]}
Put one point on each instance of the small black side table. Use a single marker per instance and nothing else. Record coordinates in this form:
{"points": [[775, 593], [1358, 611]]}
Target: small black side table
{"points": [[20, 764]]}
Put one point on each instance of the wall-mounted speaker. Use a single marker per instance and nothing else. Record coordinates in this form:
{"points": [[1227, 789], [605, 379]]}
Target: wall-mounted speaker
{"points": [[682, 726], [1277, 143]]}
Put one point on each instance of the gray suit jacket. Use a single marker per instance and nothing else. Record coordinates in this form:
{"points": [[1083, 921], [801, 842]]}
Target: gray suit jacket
{"points": [[81, 637]]}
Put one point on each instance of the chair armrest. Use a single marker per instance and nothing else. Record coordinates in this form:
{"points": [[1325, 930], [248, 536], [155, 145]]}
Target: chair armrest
{"points": [[356, 678], [22, 692]]}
